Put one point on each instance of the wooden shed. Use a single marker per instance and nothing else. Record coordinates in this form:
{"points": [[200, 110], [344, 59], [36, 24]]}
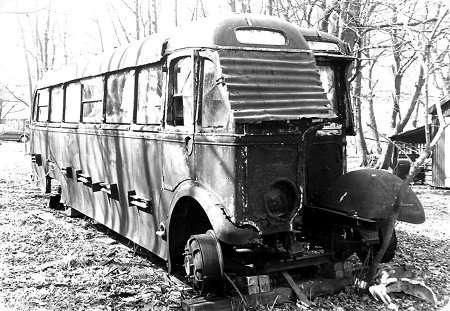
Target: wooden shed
{"points": [[440, 166], [411, 143], [441, 154]]}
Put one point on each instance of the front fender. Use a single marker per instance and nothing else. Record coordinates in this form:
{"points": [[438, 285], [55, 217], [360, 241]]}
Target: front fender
{"points": [[371, 194], [224, 229]]}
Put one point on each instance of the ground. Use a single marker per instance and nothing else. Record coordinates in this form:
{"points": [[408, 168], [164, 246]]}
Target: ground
{"points": [[49, 261]]}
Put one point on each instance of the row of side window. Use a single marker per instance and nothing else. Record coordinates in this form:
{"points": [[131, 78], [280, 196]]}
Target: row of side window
{"points": [[87, 102]]}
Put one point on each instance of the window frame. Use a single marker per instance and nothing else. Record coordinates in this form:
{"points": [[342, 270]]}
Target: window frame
{"points": [[330, 68], [66, 86], [37, 112], [254, 32], [159, 67], [172, 61], [100, 102], [208, 57], [343, 106], [57, 122], [133, 72]]}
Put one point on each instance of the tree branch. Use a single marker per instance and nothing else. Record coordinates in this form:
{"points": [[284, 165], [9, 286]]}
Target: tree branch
{"points": [[19, 99]]}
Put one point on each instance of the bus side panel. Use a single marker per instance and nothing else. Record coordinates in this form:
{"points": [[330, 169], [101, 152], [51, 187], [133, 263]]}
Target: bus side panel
{"points": [[216, 168], [70, 159], [55, 149], [147, 183], [38, 148], [81, 154], [117, 164], [178, 162], [107, 159]]}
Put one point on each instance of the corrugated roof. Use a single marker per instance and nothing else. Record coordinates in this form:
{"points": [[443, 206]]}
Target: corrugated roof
{"points": [[266, 86]]}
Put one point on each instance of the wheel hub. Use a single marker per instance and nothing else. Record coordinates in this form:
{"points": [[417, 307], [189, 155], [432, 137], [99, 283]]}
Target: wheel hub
{"points": [[203, 262]]}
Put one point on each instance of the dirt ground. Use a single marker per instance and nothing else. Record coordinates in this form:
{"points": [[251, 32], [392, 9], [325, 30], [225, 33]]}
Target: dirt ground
{"points": [[49, 261]]}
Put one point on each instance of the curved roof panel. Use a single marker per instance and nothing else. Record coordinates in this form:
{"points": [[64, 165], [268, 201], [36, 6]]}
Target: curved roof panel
{"points": [[207, 33], [313, 35]]}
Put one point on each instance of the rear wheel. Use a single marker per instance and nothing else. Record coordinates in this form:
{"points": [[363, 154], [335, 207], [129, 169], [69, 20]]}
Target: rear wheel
{"points": [[203, 262]]}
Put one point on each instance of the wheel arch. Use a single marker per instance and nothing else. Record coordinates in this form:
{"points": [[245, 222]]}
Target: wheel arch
{"points": [[194, 202], [24, 138]]}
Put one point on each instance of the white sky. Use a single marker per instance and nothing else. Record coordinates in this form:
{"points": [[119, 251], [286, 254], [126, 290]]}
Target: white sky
{"points": [[79, 16]]}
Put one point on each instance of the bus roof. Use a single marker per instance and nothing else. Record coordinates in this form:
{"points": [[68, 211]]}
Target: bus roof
{"points": [[206, 33], [335, 45]]}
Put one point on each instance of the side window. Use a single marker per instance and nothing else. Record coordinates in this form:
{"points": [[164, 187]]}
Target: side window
{"points": [[56, 109], [328, 83], [215, 110], [179, 109], [73, 103], [42, 105], [120, 97], [150, 96], [92, 100]]}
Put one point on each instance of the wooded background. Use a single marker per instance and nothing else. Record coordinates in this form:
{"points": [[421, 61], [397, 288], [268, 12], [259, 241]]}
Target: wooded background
{"points": [[401, 47]]}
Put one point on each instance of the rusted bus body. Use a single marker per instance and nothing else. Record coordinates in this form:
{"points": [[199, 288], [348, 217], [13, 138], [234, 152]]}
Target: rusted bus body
{"points": [[229, 130]]}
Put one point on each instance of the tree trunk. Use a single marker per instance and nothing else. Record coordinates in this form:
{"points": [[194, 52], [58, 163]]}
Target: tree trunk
{"points": [[176, 12], [270, 7], [100, 35], [137, 19], [373, 121], [155, 16], [385, 160], [232, 4], [27, 62], [360, 139]]}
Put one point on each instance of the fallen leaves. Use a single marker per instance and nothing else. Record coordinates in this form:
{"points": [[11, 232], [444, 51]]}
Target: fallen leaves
{"points": [[51, 262]]}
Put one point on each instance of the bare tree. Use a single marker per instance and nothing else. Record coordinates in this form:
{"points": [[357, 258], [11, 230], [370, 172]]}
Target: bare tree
{"points": [[198, 11], [371, 84], [347, 20], [143, 14], [232, 4], [425, 154], [155, 15], [404, 54]]}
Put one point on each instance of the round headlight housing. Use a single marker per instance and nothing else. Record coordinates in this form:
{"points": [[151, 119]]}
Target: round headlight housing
{"points": [[281, 200]]}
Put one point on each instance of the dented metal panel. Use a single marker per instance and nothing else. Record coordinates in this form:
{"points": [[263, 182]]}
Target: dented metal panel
{"points": [[371, 193], [267, 86]]}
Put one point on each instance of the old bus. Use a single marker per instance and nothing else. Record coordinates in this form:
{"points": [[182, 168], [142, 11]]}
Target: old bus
{"points": [[221, 145]]}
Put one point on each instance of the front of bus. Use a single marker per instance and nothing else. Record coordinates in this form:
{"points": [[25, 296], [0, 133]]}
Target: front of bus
{"points": [[267, 76], [278, 149], [278, 105]]}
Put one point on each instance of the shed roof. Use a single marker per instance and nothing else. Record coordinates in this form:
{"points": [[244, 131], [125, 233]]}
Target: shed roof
{"points": [[414, 136], [445, 105]]}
